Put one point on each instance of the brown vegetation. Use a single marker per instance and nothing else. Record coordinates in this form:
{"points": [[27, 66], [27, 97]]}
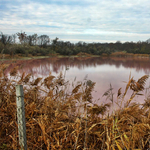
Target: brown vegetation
{"points": [[59, 119], [81, 54], [125, 54]]}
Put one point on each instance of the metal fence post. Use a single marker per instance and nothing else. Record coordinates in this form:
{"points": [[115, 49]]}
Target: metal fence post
{"points": [[21, 117]]}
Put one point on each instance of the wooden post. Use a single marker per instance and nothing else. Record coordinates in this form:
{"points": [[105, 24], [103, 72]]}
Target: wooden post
{"points": [[21, 117]]}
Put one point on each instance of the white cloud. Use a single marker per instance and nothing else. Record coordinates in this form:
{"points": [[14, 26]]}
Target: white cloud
{"points": [[120, 20]]}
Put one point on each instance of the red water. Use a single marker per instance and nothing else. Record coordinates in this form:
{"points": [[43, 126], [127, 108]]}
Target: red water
{"points": [[103, 71]]}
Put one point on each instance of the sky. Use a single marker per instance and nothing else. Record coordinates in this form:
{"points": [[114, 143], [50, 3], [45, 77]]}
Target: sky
{"points": [[78, 20]]}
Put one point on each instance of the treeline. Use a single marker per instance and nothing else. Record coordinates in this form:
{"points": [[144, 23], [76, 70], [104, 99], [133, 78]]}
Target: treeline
{"points": [[23, 44]]}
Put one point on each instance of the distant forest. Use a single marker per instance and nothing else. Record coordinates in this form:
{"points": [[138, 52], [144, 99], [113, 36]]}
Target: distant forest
{"points": [[22, 44]]}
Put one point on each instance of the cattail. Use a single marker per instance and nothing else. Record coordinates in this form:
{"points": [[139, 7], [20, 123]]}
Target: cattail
{"points": [[13, 71], [76, 89], [36, 82], [119, 92], [27, 78], [48, 81]]}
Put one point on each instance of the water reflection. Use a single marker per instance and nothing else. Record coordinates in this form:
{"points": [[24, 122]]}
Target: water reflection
{"points": [[58, 64], [103, 71]]}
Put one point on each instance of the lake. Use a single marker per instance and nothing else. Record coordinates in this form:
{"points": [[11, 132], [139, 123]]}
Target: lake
{"points": [[103, 71]]}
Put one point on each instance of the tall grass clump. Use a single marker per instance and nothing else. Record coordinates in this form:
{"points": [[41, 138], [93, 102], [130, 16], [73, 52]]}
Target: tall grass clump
{"points": [[60, 119]]}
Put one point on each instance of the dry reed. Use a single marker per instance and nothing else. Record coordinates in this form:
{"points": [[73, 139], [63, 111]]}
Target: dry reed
{"points": [[54, 120]]}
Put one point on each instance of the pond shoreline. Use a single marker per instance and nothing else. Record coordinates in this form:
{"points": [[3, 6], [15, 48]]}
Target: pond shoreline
{"points": [[16, 57]]}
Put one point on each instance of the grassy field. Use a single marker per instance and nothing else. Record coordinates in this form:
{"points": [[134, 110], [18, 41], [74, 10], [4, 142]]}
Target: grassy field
{"points": [[57, 119]]}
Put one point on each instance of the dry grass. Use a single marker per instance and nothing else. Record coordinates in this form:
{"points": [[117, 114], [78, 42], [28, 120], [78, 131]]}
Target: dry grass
{"points": [[124, 54], [58, 119]]}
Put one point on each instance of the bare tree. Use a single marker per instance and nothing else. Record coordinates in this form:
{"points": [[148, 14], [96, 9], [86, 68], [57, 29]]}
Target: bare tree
{"points": [[32, 39], [22, 37], [5, 39], [14, 36], [29, 39], [43, 40]]}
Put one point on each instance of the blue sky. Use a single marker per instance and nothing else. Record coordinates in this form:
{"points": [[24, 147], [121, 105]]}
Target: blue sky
{"points": [[78, 20]]}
